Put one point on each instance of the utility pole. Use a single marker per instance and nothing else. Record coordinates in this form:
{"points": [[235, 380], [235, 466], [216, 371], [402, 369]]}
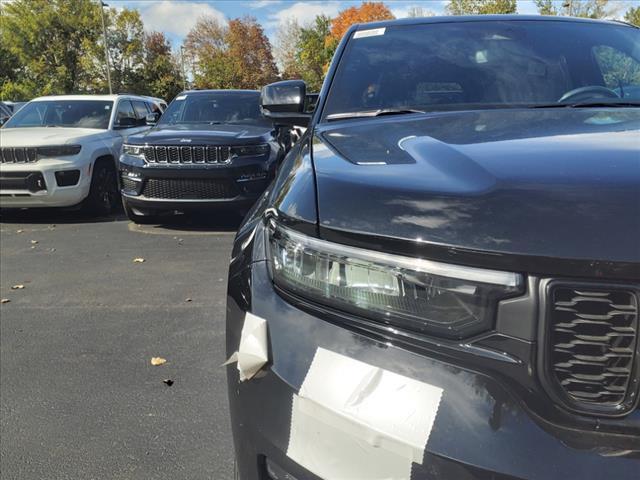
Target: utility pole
{"points": [[184, 75], [106, 45]]}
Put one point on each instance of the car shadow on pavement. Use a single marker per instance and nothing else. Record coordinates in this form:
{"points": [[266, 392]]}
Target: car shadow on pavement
{"points": [[205, 222], [38, 216]]}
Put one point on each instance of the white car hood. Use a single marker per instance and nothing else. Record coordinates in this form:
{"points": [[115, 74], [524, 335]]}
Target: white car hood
{"points": [[35, 136]]}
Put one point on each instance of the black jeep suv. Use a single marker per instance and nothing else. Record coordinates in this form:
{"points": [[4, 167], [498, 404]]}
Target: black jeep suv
{"points": [[210, 148], [443, 282]]}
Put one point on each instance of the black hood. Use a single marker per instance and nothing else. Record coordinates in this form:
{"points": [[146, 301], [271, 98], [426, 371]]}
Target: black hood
{"points": [[561, 183], [199, 134]]}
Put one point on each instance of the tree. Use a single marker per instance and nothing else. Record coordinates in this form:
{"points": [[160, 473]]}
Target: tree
{"points": [[311, 52], [480, 7], [287, 40], [126, 50], [579, 8], [249, 51], [161, 73], [633, 16], [46, 41], [367, 12], [205, 47], [237, 55]]}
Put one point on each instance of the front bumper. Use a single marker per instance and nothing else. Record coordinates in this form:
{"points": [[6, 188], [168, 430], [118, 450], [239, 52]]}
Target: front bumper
{"points": [[48, 195], [481, 428], [193, 186]]}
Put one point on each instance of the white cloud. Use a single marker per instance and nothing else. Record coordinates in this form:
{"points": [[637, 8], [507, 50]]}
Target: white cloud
{"points": [[303, 12], [264, 3], [176, 18]]}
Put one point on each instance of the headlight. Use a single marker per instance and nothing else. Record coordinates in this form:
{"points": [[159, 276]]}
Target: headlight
{"points": [[420, 295], [250, 150], [134, 150], [58, 151]]}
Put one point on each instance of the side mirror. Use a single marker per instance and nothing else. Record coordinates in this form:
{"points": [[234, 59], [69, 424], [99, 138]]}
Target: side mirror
{"points": [[152, 118], [284, 102], [127, 122]]}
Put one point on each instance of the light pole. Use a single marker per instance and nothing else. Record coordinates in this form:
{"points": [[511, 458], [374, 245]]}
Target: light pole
{"points": [[106, 45]]}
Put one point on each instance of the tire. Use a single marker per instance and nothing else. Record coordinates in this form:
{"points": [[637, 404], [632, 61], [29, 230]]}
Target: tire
{"points": [[103, 195], [136, 217]]}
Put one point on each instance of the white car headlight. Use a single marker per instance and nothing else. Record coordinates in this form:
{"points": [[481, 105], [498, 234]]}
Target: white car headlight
{"points": [[423, 296], [134, 150]]}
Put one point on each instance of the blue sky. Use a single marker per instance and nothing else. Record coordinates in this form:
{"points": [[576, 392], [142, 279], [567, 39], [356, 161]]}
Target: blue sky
{"points": [[176, 17]]}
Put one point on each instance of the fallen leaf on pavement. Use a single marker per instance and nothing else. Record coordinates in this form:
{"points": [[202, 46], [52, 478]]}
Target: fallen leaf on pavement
{"points": [[158, 361], [138, 260], [19, 231], [17, 287], [168, 382], [4, 300], [34, 242], [187, 300]]}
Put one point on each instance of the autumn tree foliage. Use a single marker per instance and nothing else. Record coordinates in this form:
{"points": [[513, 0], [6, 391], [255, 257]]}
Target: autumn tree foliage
{"points": [[235, 55], [481, 7], [367, 12], [162, 74]]}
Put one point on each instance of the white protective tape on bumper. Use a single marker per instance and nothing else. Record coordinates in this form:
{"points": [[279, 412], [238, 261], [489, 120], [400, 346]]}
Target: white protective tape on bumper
{"points": [[253, 352], [352, 420]]}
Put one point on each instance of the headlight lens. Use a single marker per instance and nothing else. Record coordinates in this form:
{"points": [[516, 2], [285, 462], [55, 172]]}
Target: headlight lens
{"points": [[420, 295], [58, 151], [134, 150], [250, 150]]}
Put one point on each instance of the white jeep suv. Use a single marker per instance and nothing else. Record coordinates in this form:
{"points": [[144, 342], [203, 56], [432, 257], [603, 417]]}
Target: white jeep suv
{"points": [[61, 151]]}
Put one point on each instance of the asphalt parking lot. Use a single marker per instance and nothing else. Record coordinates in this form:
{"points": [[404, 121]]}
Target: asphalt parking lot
{"points": [[79, 397]]}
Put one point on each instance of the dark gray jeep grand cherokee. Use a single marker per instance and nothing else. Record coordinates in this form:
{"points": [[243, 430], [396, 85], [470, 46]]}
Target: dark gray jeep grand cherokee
{"points": [[443, 281], [211, 148]]}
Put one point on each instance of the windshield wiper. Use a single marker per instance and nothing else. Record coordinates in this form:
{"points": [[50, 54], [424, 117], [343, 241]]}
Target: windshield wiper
{"points": [[594, 104], [373, 113]]}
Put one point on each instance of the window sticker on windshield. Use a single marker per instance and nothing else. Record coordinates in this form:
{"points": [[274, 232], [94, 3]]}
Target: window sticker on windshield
{"points": [[181, 97], [373, 32]]}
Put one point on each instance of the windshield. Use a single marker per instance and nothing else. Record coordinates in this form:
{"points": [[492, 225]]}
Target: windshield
{"points": [[63, 113], [487, 64], [240, 108]]}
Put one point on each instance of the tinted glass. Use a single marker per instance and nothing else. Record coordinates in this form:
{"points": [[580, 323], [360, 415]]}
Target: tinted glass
{"points": [[63, 113], [125, 112], [141, 109], [238, 108], [462, 65]]}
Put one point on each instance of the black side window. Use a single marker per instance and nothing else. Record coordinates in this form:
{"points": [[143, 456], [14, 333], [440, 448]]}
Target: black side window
{"points": [[141, 109], [125, 115]]}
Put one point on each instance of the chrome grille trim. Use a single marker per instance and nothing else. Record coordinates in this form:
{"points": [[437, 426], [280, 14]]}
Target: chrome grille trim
{"points": [[591, 345], [187, 154], [18, 155]]}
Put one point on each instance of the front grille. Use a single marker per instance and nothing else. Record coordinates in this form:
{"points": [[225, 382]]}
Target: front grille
{"points": [[18, 155], [187, 154], [32, 181], [593, 339], [190, 189]]}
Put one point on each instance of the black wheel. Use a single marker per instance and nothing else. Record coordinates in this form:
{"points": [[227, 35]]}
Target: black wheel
{"points": [[103, 194], [139, 218]]}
